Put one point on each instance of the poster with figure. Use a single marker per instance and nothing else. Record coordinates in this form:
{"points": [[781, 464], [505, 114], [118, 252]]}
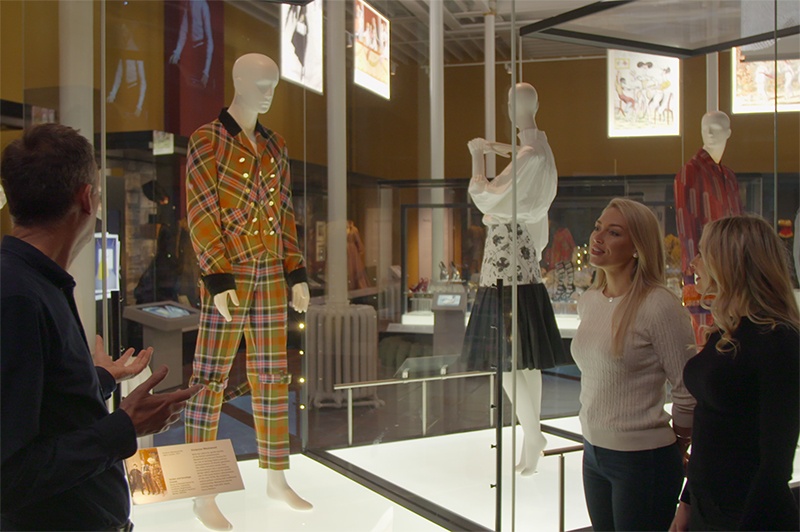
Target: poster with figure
{"points": [[157, 474], [371, 47], [643, 94], [301, 45], [754, 85]]}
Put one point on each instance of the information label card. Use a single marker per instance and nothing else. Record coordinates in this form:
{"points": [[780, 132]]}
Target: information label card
{"points": [[178, 471]]}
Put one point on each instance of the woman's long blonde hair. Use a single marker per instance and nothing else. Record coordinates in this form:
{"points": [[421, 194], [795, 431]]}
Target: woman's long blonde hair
{"points": [[648, 272], [748, 268]]}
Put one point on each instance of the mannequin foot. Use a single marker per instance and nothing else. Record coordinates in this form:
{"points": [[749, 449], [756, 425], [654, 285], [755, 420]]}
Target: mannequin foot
{"points": [[206, 510], [279, 490], [531, 452]]}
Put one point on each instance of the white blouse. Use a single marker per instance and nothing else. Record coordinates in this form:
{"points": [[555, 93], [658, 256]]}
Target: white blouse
{"points": [[537, 179]]}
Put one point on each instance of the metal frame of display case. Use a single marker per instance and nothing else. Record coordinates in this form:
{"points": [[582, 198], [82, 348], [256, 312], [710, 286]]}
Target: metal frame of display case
{"points": [[547, 29]]}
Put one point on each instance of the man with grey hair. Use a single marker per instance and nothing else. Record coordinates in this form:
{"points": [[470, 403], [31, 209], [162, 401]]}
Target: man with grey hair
{"points": [[61, 449]]}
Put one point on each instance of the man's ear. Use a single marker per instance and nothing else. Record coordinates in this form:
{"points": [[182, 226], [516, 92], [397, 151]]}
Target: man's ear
{"points": [[84, 198]]}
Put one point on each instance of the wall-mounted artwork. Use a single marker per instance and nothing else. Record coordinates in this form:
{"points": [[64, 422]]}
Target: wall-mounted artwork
{"points": [[301, 45], [371, 48], [754, 84], [643, 94]]}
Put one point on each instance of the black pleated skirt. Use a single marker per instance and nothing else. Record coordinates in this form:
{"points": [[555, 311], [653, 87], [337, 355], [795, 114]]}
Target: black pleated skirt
{"points": [[540, 345]]}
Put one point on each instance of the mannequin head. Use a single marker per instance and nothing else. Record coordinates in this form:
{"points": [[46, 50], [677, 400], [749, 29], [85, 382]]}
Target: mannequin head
{"points": [[527, 105], [255, 77], [716, 130]]}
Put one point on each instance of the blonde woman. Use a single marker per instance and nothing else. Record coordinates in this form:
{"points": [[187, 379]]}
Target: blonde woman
{"points": [[634, 337], [747, 383]]}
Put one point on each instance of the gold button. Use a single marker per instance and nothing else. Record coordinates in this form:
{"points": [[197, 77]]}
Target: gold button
{"points": [[272, 232], [241, 159], [255, 232], [271, 218], [255, 220], [272, 175], [272, 189], [272, 159], [247, 190], [271, 203], [252, 203], [246, 175]]}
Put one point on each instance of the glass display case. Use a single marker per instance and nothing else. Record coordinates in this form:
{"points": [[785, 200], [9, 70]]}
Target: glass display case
{"points": [[392, 241]]}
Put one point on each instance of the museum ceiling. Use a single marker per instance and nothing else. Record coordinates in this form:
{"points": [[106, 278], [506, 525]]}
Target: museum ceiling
{"points": [[694, 25]]}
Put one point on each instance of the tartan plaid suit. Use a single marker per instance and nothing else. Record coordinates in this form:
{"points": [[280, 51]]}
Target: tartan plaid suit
{"points": [[242, 228]]}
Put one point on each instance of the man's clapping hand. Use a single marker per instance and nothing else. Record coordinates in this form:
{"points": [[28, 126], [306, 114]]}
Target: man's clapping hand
{"points": [[154, 413]]}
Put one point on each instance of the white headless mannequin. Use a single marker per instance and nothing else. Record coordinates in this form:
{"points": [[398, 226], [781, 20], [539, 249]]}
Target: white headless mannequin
{"points": [[528, 381], [255, 77], [715, 128]]}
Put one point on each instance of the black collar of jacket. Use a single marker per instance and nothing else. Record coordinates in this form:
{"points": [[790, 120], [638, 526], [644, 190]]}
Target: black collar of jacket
{"points": [[233, 126]]}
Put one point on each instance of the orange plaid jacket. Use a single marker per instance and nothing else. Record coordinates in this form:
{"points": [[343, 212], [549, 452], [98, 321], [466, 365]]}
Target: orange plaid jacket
{"points": [[239, 202]]}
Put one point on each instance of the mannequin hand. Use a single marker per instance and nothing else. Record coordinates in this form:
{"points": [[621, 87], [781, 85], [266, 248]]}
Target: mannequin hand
{"points": [[174, 58], [300, 297], [477, 146], [154, 413], [120, 369], [681, 521], [204, 79], [221, 302]]}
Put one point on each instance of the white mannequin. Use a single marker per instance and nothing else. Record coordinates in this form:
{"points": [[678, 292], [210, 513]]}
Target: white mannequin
{"points": [[528, 381], [255, 77], [715, 128]]}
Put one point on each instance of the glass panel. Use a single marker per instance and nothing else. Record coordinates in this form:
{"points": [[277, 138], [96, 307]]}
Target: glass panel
{"points": [[381, 386], [687, 25]]}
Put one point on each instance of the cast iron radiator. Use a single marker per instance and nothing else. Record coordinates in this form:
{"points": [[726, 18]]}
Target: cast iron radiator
{"points": [[342, 347]]}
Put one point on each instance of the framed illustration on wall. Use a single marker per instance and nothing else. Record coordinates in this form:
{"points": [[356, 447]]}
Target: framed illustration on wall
{"points": [[643, 94], [301, 45], [371, 48], [754, 84]]}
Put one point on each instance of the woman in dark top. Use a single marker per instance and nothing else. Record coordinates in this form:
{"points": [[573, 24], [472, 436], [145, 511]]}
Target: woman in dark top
{"points": [[746, 381]]}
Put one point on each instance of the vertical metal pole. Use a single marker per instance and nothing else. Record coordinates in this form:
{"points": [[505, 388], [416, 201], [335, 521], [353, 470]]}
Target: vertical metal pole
{"points": [[424, 408], [491, 401], [489, 104], [501, 337], [350, 416], [561, 505], [336, 93], [76, 109], [436, 38]]}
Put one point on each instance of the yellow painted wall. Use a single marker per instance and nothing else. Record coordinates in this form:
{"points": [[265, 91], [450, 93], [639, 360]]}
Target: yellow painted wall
{"points": [[388, 139], [572, 112], [11, 71]]}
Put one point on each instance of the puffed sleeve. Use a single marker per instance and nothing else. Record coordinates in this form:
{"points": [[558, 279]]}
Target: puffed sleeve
{"points": [[686, 217], [293, 264], [536, 188], [203, 214]]}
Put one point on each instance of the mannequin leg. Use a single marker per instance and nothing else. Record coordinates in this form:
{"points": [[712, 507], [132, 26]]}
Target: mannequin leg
{"points": [[267, 374], [217, 344], [207, 511], [279, 489], [529, 407]]}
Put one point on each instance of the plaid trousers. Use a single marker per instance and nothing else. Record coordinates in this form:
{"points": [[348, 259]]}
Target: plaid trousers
{"points": [[261, 316]]}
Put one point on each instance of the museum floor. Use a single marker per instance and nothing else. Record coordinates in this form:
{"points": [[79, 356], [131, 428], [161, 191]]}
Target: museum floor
{"points": [[449, 470]]}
